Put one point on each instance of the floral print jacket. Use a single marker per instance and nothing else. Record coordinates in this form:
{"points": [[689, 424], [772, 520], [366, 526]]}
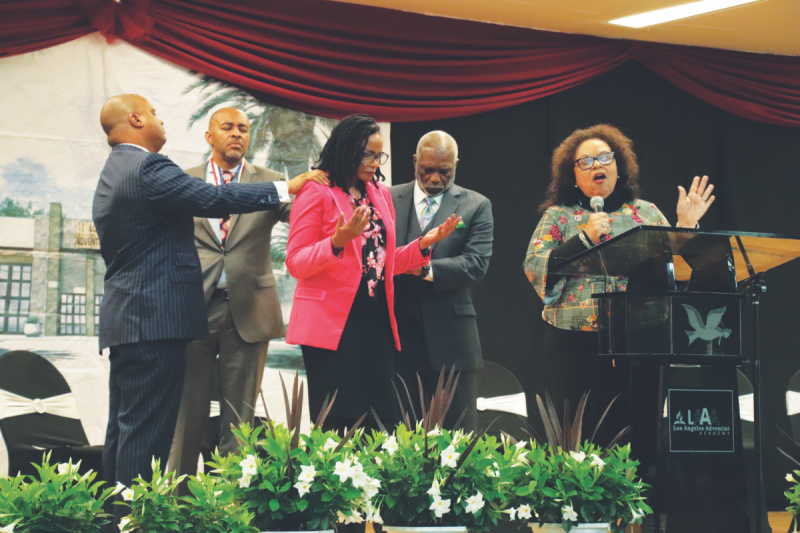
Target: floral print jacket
{"points": [[568, 301]]}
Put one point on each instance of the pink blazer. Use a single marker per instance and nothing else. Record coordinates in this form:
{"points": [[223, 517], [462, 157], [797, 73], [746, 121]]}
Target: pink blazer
{"points": [[326, 284]]}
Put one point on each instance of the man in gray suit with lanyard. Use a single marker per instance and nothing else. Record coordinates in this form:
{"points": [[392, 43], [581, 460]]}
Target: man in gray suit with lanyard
{"points": [[433, 305], [241, 298], [153, 293]]}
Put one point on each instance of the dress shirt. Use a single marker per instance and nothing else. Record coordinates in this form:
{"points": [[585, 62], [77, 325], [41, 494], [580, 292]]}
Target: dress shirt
{"points": [[419, 205], [136, 145], [283, 195]]}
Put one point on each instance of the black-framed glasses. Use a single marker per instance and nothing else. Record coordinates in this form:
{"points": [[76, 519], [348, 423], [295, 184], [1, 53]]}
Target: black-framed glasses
{"points": [[587, 162], [380, 157]]}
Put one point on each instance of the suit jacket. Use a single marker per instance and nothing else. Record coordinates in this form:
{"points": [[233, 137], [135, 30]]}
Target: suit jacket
{"points": [[327, 284], [459, 262], [143, 209], [252, 287]]}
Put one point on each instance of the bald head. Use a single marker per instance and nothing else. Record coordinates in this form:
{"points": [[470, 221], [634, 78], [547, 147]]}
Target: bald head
{"points": [[229, 136], [129, 118], [435, 162]]}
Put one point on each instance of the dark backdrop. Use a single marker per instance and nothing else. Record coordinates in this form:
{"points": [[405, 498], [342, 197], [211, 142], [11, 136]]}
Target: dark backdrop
{"points": [[755, 168]]}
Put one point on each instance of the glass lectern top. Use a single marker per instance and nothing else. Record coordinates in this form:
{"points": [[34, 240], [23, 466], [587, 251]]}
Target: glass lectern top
{"points": [[649, 251]]}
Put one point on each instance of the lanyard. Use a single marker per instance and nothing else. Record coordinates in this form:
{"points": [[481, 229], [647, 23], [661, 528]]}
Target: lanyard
{"points": [[218, 179]]}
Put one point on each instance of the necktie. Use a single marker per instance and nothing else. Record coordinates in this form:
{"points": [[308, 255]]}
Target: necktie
{"points": [[225, 222], [427, 213]]}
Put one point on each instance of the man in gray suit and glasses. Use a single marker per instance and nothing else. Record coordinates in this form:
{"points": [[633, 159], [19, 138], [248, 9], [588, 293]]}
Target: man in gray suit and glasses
{"points": [[153, 301], [433, 305]]}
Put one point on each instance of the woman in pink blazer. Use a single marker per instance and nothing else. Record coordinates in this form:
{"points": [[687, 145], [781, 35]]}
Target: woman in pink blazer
{"points": [[342, 252]]}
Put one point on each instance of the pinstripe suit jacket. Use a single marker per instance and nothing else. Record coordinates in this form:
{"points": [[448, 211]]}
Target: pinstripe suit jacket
{"points": [[143, 209]]}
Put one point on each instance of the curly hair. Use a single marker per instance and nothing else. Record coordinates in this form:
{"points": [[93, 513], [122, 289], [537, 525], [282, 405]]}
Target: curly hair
{"points": [[562, 190], [343, 152]]}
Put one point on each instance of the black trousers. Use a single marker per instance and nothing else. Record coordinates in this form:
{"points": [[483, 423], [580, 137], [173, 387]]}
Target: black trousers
{"points": [[414, 359], [145, 390]]}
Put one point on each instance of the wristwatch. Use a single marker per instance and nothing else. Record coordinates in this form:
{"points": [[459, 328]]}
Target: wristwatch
{"points": [[424, 271]]}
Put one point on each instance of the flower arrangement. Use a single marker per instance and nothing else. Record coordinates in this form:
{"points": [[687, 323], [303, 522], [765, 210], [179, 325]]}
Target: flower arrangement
{"points": [[568, 481], [155, 506], [293, 482], [59, 500], [434, 477]]}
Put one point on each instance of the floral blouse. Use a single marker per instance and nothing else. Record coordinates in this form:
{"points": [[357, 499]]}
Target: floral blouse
{"points": [[568, 301], [373, 243]]}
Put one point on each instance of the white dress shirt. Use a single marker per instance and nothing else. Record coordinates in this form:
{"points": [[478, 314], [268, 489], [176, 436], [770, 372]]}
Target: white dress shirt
{"points": [[283, 196], [419, 205]]}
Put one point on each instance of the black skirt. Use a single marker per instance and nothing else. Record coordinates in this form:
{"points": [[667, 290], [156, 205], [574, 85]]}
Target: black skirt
{"points": [[361, 369]]}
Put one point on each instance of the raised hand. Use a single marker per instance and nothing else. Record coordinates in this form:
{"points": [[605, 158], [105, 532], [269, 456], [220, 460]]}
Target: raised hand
{"points": [[692, 206], [441, 232], [297, 183], [346, 232], [599, 224]]}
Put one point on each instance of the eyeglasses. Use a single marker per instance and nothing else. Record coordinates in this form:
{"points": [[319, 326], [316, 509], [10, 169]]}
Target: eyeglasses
{"points": [[380, 157], [585, 163]]}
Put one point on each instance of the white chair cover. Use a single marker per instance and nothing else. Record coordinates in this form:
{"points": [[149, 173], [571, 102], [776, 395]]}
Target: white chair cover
{"points": [[747, 410], [14, 405], [792, 402], [512, 403]]}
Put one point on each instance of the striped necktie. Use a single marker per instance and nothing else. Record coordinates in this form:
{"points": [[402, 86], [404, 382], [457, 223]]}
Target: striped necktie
{"points": [[427, 213], [225, 222]]}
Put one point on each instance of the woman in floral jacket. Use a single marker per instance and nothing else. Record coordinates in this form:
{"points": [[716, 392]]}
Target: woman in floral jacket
{"points": [[597, 161]]}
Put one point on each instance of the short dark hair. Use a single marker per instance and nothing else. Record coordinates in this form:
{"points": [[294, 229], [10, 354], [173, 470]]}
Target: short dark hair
{"points": [[562, 190], [342, 154]]}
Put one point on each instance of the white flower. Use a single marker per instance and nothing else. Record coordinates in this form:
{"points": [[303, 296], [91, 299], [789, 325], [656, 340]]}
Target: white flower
{"points": [[330, 444], [249, 467], [578, 456], [440, 506], [390, 445], [790, 478], [360, 479], [524, 511], [355, 518], [492, 473], [307, 473], [371, 489], [378, 460], [127, 495], [416, 447], [343, 469], [123, 523], [596, 461], [119, 488], [475, 503], [450, 456], [244, 482], [302, 487], [434, 490], [569, 513], [512, 512], [435, 432], [373, 514], [636, 514], [521, 444], [9, 528], [62, 469]]}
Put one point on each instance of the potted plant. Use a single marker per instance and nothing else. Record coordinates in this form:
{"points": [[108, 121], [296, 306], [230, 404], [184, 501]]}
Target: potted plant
{"points": [[432, 477], [294, 482], [32, 327], [577, 484], [156, 508], [59, 500]]}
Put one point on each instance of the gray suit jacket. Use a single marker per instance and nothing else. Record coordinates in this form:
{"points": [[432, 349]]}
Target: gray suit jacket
{"points": [[459, 262], [143, 209], [252, 286]]}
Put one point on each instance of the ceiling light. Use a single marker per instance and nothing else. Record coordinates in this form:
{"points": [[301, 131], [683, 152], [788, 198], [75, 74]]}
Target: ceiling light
{"points": [[677, 12]]}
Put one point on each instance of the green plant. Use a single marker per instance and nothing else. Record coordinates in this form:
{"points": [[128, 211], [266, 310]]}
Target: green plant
{"points": [[154, 504], [212, 507], [32, 320], [294, 482], [570, 481], [59, 500]]}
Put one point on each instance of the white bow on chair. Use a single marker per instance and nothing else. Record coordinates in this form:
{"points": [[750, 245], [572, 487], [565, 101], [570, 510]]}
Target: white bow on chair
{"points": [[512, 403], [14, 405]]}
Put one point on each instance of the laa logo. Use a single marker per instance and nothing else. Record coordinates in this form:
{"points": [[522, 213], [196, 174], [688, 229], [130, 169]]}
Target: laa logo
{"points": [[701, 418]]}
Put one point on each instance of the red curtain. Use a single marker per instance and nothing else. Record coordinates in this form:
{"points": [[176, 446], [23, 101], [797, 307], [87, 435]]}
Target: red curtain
{"points": [[331, 59]]}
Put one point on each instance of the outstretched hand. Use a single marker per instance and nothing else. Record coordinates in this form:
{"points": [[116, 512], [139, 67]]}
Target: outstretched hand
{"points": [[692, 206], [346, 232], [297, 183], [439, 233]]}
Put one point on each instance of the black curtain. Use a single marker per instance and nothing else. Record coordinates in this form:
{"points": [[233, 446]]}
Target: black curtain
{"points": [[755, 168]]}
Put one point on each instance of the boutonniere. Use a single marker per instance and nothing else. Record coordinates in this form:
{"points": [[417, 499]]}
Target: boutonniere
{"points": [[460, 224]]}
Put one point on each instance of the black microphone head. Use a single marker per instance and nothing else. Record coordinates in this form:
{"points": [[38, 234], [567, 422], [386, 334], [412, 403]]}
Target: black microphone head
{"points": [[597, 203]]}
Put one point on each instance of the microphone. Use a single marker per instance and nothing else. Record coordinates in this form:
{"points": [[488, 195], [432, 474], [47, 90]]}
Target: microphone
{"points": [[597, 203]]}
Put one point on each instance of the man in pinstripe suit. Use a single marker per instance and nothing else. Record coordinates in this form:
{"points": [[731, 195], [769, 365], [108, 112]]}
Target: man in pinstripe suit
{"points": [[153, 301]]}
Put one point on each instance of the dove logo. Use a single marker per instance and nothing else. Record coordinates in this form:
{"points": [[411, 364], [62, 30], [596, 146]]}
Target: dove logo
{"points": [[708, 331]]}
